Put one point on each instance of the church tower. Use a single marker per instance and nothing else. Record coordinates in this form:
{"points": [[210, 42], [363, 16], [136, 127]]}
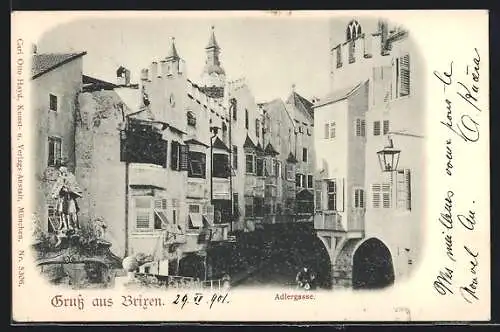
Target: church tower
{"points": [[213, 77]]}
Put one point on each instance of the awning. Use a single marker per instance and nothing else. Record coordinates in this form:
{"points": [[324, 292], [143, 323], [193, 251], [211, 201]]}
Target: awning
{"points": [[162, 215], [196, 219]]}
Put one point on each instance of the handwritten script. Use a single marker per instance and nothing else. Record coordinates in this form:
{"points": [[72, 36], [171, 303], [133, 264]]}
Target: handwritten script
{"points": [[460, 119]]}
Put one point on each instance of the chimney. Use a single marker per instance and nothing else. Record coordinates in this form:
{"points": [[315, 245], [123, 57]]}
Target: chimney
{"points": [[123, 76], [384, 33], [154, 69], [144, 74]]}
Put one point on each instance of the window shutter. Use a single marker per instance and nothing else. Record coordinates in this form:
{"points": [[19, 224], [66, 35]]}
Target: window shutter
{"points": [[165, 153], [174, 156], [386, 127], [327, 131], [184, 157], [356, 198], [376, 195], [376, 128], [404, 75], [363, 128], [340, 195]]}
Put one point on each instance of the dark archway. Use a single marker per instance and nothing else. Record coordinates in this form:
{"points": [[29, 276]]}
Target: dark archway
{"points": [[372, 266]]}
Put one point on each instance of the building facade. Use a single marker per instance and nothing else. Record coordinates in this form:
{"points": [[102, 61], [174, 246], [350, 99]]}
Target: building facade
{"points": [[56, 83], [369, 142]]}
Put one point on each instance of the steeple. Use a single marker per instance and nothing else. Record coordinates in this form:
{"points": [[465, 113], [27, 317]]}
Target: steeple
{"points": [[212, 42], [213, 76], [172, 52]]}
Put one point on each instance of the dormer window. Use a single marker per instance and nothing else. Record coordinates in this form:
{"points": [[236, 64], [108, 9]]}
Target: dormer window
{"points": [[191, 119]]}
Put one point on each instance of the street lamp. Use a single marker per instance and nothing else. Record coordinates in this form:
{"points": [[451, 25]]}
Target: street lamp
{"points": [[388, 157]]}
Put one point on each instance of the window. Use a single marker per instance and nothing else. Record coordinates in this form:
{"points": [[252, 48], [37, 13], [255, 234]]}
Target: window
{"points": [[359, 198], [376, 128], [194, 208], [353, 30], [249, 206], [319, 195], [197, 165], [150, 213], [257, 127], [246, 118], [191, 119], [386, 127], [260, 167], [179, 157], [258, 206], [235, 157], [330, 130], [289, 172], [352, 55], [55, 151], [53, 102], [332, 195], [236, 205], [250, 163], [309, 181], [339, 57], [270, 167], [404, 75], [301, 129], [304, 155], [360, 127], [298, 180], [277, 166], [381, 192], [403, 189], [221, 166], [235, 112]]}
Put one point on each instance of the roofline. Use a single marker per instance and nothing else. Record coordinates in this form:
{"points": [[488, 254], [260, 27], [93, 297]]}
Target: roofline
{"points": [[59, 64], [354, 89]]}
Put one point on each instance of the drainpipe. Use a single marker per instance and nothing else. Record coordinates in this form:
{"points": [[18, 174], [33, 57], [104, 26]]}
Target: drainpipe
{"points": [[127, 164]]}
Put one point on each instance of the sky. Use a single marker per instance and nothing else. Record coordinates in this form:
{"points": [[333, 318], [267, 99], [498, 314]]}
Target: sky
{"points": [[271, 53]]}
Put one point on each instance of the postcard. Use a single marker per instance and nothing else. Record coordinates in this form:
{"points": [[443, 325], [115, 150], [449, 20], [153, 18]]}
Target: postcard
{"points": [[239, 166]]}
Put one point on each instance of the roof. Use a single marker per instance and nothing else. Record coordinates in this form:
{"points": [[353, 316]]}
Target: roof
{"points": [[270, 150], [338, 95], [43, 63], [194, 141], [172, 52], [291, 158], [93, 84], [218, 144], [212, 42], [301, 103], [249, 144], [259, 148]]}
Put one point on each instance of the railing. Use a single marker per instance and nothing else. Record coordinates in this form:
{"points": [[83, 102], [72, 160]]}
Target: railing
{"points": [[330, 220]]}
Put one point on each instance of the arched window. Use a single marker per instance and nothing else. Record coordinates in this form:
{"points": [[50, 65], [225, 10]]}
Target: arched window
{"points": [[353, 30]]}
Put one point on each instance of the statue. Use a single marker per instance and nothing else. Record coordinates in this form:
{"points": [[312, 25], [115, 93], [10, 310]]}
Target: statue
{"points": [[66, 190]]}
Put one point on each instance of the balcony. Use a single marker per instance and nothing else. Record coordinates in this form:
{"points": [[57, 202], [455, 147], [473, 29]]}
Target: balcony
{"points": [[333, 221], [328, 220], [147, 175], [221, 189]]}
